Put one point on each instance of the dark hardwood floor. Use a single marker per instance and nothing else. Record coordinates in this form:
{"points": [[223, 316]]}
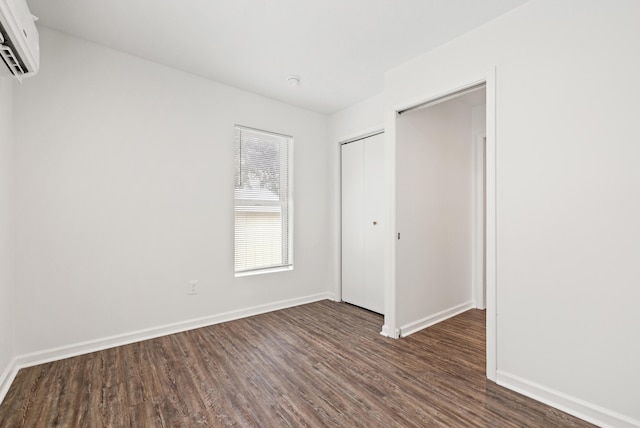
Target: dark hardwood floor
{"points": [[321, 364]]}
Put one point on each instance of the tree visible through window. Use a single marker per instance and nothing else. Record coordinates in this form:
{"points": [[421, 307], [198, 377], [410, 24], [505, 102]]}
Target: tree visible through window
{"points": [[262, 200]]}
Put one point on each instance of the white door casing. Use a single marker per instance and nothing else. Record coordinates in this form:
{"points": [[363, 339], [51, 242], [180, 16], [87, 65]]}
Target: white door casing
{"points": [[363, 223]]}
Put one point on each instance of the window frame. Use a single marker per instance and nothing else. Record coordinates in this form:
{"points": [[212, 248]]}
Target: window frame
{"points": [[256, 204]]}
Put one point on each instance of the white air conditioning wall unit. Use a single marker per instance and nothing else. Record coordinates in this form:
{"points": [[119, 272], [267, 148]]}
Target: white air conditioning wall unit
{"points": [[19, 40]]}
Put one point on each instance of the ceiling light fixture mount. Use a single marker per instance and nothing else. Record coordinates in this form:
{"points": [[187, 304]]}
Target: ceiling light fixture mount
{"points": [[293, 81]]}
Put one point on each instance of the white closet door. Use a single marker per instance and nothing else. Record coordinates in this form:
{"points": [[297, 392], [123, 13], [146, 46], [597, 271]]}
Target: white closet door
{"points": [[352, 215], [363, 223], [374, 223]]}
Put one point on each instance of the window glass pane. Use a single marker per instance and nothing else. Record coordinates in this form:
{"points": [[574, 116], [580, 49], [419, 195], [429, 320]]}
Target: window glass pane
{"points": [[262, 200]]}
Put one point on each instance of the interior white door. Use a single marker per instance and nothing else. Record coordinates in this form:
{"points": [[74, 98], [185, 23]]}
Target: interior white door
{"points": [[374, 223], [363, 222], [352, 217]]}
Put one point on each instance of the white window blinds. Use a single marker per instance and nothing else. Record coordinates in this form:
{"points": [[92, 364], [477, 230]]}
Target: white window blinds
{"points": [[262, 200]]}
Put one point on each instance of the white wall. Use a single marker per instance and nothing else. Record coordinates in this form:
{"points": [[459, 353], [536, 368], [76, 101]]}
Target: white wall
{"points": [[355, 121], [124, 193], [7, 234], [433, 204], [568, 249], [361, 118]]}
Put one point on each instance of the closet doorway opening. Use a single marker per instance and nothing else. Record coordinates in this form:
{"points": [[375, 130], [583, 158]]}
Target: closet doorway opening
{"points": [[441, 206]]}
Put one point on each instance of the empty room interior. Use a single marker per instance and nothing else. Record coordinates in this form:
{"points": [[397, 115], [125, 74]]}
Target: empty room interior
{"points": [[320, 213]]}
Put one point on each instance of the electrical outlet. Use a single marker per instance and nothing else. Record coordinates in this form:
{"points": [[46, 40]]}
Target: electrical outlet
{"points": [[192, 287]]}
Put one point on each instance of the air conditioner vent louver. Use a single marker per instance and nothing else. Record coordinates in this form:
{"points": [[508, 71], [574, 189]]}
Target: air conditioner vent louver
{"points": [[9, 57], [19, 42]]}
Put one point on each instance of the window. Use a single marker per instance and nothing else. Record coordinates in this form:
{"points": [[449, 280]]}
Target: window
{"points": [[263, 239]]}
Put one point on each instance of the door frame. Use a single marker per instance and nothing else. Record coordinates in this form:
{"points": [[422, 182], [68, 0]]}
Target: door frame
{"points": [[360, 135], [391, 328], [371, 301], [478, 225]]}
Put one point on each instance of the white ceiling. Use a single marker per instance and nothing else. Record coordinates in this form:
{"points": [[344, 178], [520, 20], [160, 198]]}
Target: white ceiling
{"points": [[340, 48]]}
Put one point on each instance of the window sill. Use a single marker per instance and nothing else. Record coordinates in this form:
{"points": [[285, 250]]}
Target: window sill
{"points": [[263, 271]]}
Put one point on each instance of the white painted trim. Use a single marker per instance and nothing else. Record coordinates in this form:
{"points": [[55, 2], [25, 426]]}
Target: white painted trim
{"points": [[491, 231], [331, 296], [387, 332], [362, 137], [424, 99], [477, 225], [432, 101], [73, 350], [367, 132], [337, 153], [423, 323], [390, 290], [567, 403], [7, 377]]}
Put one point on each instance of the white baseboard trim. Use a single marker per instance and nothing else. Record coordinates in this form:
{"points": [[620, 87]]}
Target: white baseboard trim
{"points": [[7, 377], [568, 404], [73, 350], [423, 323], [386, 332]]}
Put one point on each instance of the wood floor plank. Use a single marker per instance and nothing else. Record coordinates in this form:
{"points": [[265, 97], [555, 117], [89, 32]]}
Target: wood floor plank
{"points": [[315, 365]]}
